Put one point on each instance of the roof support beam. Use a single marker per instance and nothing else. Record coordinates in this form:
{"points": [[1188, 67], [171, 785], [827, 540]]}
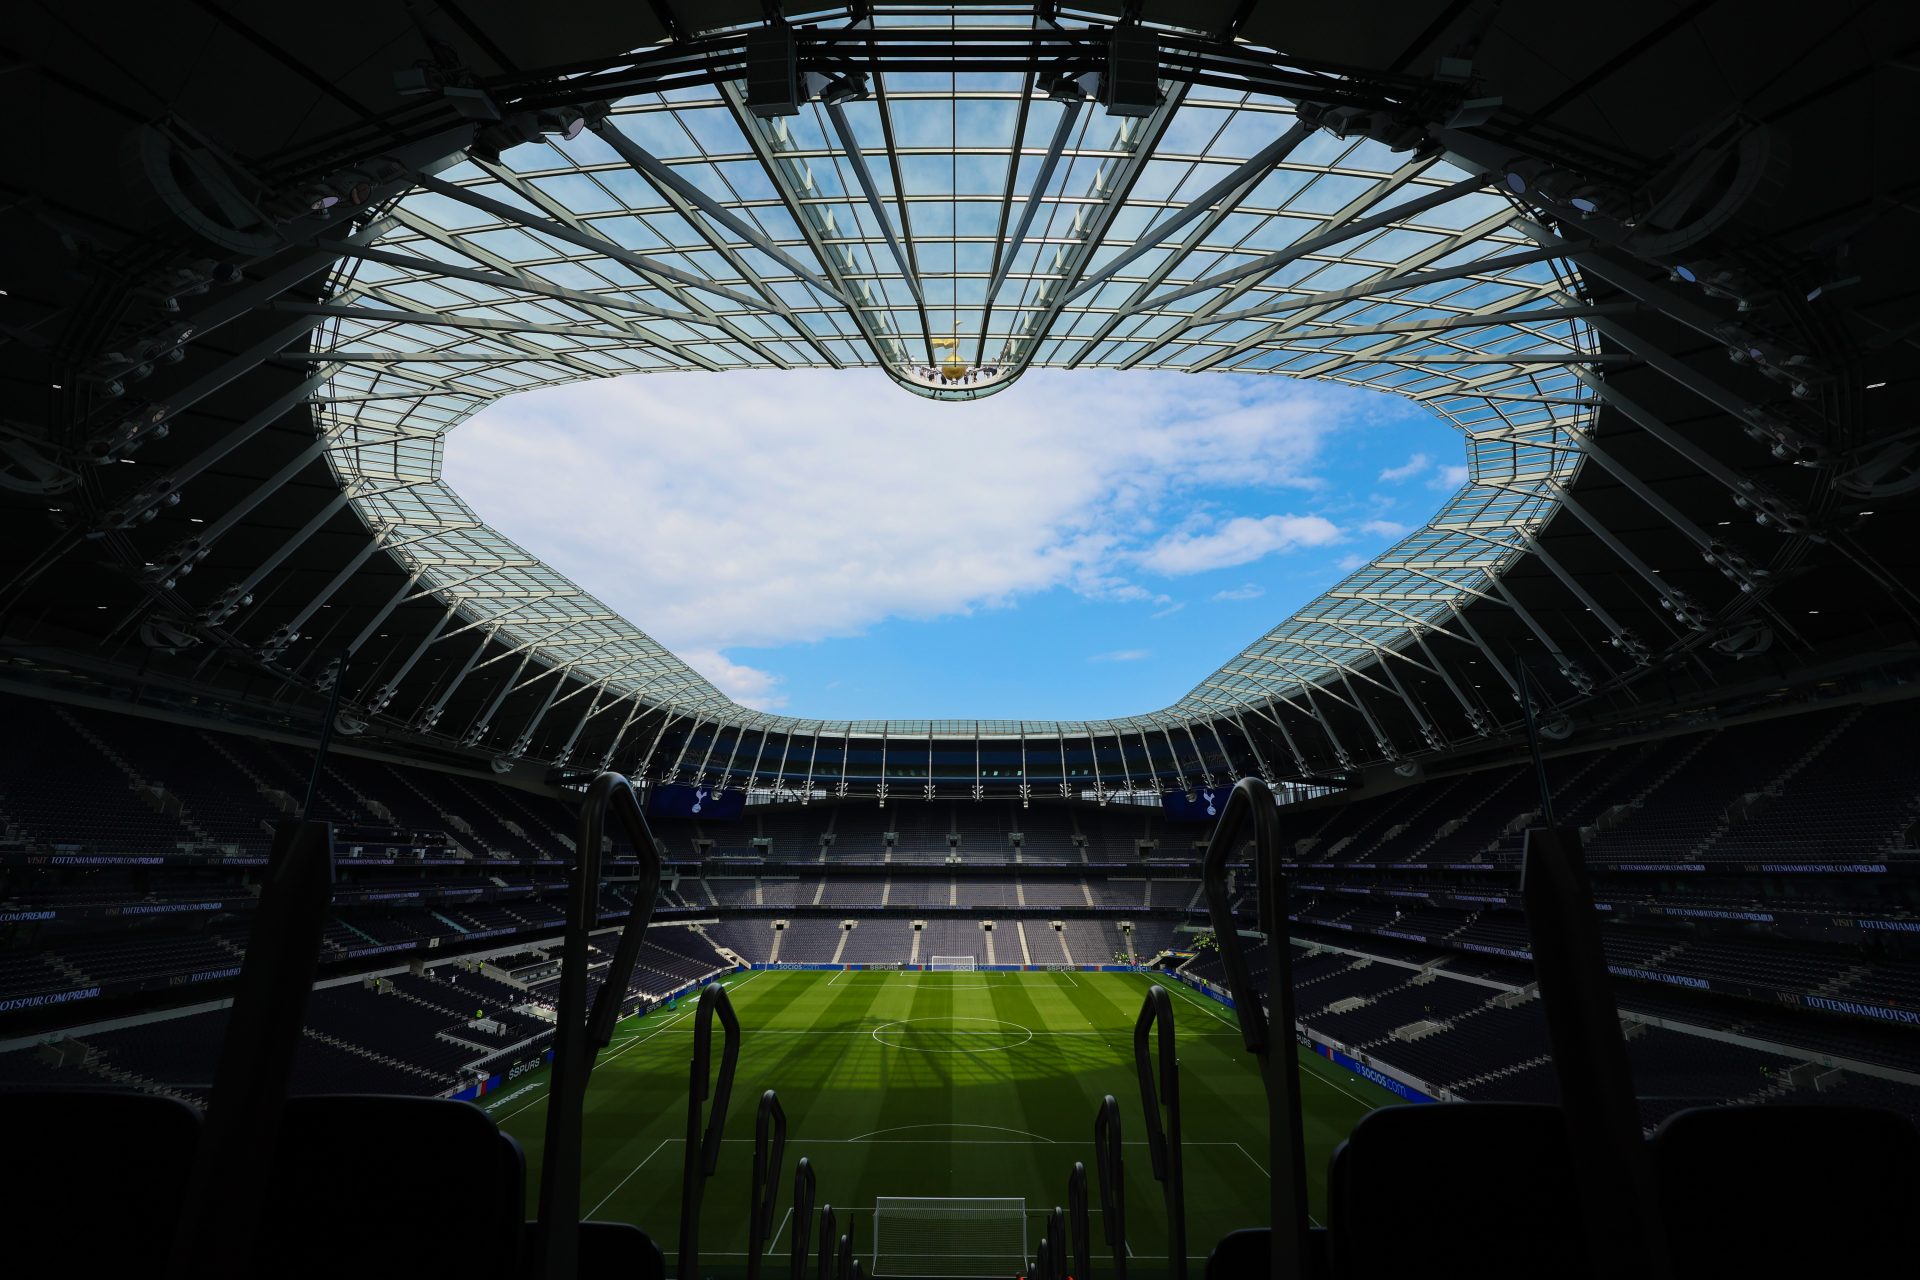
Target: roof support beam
{"points": [[516, 282], [790, 177], [236, 596], [1475, 713], [384, 696], [378, 620], [1338, 230], [591, 241], [1465, 320], [1676, 601], [1225, 193], [857, 160], [589, 236], [1211, 313], [1112, 182], [663, 176], [1225, 204], [1069, 114], [524, 738], [1486, 650], [1389, 284]]}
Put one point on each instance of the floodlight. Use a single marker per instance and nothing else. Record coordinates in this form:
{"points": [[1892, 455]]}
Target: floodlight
{"points": [[838, 87], [1474, 112], [1064, 84]]}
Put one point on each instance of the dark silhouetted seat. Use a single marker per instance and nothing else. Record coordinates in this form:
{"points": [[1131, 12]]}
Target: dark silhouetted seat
{"points": [[615, 1251], [1785, 1190], [80, 1161], [1471, 1188], [451, 1191]]}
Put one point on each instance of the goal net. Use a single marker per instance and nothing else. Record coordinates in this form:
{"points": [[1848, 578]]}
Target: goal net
{"points": [[949, 1236], [955, 964]]}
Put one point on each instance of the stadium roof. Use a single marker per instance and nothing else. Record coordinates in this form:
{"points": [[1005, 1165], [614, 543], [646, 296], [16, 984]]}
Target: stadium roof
{"points": [[1654, 274], [1219, 232]]}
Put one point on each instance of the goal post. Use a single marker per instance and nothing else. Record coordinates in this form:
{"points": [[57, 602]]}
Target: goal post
{"points": [[950, 1237], [955, 964]]}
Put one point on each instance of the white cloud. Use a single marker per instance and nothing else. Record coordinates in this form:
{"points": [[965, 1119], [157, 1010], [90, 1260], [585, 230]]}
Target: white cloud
{"points": [[1121, 655], [1407, 470], [1348, 563], [1385, 528], [748, 686], [755, 509], [1448, 478], [1251, 591], [1169, 611], [1237, 541]]}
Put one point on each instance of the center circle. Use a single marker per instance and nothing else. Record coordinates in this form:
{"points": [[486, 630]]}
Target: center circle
{"points": [[943, 1035]]}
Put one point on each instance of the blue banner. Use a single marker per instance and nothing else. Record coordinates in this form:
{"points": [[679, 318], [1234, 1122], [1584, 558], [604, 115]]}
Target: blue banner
{"points": [[1365, 1072], [705, 803], [1203, 805]]}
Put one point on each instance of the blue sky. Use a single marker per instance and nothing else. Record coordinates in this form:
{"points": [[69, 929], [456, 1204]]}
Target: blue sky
{"points": [[1082, 545]]}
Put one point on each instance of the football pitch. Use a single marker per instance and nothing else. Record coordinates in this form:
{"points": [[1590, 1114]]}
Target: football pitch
{"points": [[934, 1084]]}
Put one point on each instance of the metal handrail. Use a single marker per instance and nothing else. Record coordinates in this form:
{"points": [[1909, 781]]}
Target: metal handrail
{"points": [[829, 1239], [1053, 1246], [703, 1148], [1251, 805], [805, 1186], [580, 1034], [849, 1265], [1077, 1214], [1611, 1165], [232, 1166], [769, 1149], [1163, 1140], [1111, 1166]]}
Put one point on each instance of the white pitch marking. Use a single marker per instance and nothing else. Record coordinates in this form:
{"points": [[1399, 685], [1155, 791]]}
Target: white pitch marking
{"points": [[1263, 1173], [777, 1230], [623, 1182], [1204, 1004], [902, 1128], [992, 1048], [637, 1039], [1342, 1088]]}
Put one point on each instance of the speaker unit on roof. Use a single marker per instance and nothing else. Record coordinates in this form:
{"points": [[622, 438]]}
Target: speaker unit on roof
{"points": [[773, 80], [1131, 86]]}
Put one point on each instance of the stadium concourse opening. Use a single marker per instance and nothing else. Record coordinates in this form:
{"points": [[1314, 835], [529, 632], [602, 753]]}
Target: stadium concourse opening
{"points": [[1541, 898]]}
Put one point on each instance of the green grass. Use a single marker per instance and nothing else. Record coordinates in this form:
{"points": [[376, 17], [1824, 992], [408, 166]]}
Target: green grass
{"points": [[930, 1085]]}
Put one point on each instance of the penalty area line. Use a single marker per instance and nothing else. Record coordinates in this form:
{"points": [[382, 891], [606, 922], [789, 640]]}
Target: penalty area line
{"points": [[778, 1230], [623, 1182], [1263, 1173]]}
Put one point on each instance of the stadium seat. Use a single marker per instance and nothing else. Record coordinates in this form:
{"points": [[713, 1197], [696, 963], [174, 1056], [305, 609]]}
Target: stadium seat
{"points": [[1248, 1252], [72, 1154], [610, 1250], [446, 1191], [1784, 1190], [1467, 1188]]}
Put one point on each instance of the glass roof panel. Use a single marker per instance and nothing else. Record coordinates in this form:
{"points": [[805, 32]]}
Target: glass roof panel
{"points": [[1153, 244]]}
